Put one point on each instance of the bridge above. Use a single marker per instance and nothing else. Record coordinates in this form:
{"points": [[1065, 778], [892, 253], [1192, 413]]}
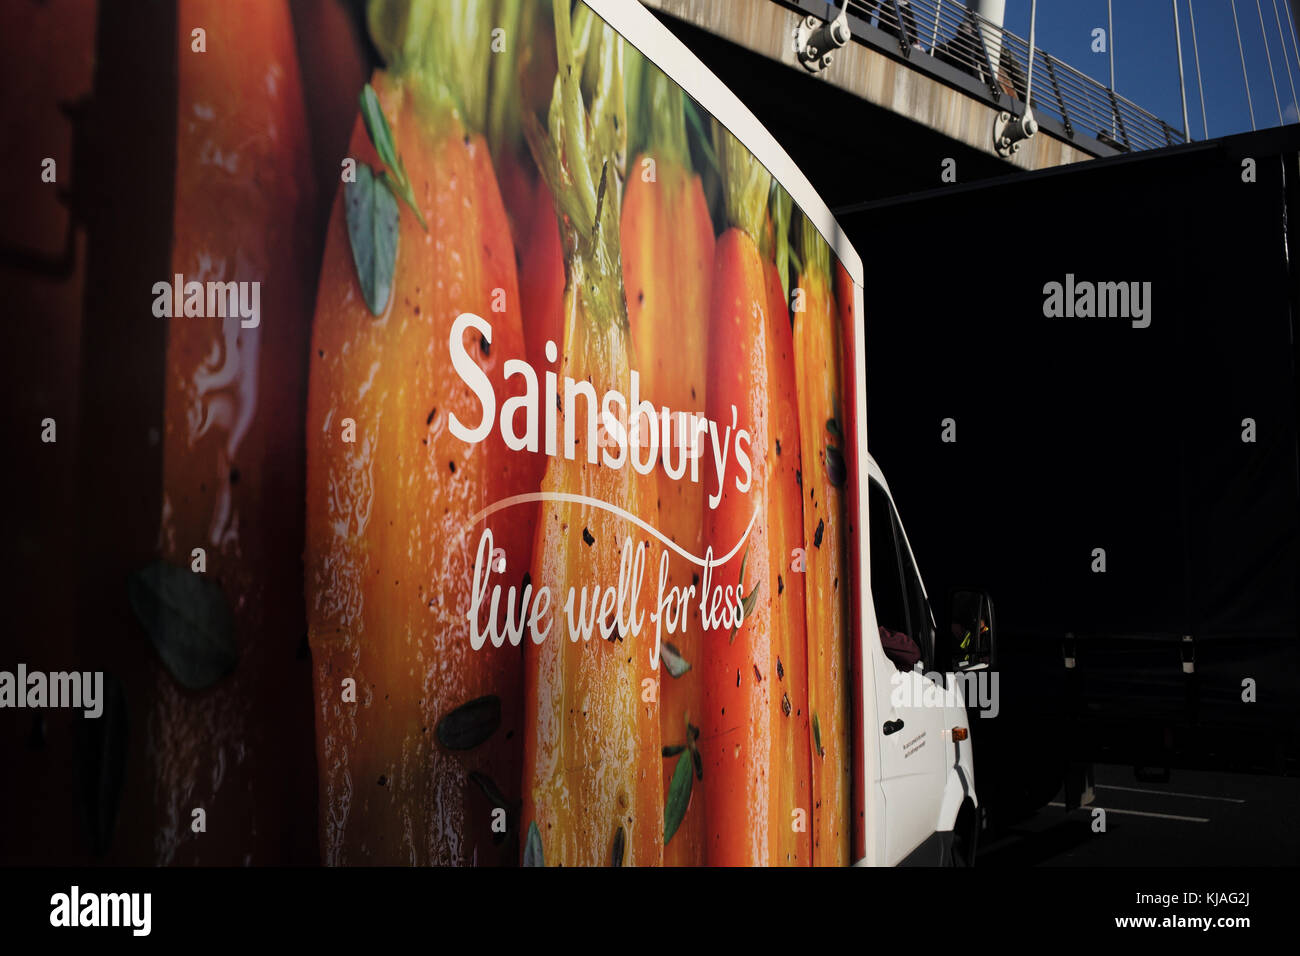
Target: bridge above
{"points": [[946, 70]]}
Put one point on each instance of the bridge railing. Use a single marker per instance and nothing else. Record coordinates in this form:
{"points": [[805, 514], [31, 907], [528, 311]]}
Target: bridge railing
{"points": [[952, 34]]}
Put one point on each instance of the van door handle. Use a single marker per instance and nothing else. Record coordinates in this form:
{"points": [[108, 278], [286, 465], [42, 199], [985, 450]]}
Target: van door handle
{"points": [[893, 727]]}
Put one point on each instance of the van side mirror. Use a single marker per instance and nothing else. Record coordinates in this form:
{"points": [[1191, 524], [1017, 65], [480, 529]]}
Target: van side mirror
{"points": [[971, 629]]}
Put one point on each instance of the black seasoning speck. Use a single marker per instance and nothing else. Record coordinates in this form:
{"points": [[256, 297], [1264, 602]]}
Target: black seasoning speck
{"points": [[821, 528], [452, 466], [785, 704], [432, 412], [835, 470], [757, 676], [383, 780], [695, 580], [616, 855], [587, 538], [798, 478], [484, 346], [737, 676], [778, 448], [780, 585], [780, 671]]}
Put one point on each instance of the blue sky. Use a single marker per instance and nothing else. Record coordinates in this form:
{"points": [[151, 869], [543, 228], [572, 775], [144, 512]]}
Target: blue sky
{"points": [[1146, 64]]}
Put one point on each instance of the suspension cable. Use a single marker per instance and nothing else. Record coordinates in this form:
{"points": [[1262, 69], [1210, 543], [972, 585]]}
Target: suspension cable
{"points": [[1205, 124], [1244, 76], [1182, 86], [1291, 24], [1110, 48], [1029, 82], [1272, 75], [1286, 57], [1110, 42]]}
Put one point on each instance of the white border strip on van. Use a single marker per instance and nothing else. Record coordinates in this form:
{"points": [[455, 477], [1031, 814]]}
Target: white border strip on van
{"points": [[873, 805], [658, 44]]}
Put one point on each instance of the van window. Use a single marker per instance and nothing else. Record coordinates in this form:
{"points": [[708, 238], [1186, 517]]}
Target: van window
{"points": [[896, 589], [888, 590], [918, 608]]}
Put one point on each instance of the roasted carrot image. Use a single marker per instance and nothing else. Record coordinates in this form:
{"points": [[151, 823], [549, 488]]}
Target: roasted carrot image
{"points": [[332, 53], [415, 767], [592, 788], [231, 452], [541, 275], [667, 243], [523, 74], [755, 737], [821, 424], [515, 21]]}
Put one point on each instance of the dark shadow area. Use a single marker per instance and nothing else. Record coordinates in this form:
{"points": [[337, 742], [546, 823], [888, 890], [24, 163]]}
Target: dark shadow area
{"points": [[1171, 447]]}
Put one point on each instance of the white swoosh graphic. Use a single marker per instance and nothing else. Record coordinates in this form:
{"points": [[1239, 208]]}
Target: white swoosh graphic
{"points": [[613, 509]]}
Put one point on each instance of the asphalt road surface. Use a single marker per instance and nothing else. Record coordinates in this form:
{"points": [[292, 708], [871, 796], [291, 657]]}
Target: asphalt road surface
{"points": [[1196, 818]]}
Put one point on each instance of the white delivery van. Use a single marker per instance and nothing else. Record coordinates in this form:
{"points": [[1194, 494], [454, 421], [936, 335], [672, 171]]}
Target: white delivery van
{"points": [[919, 804]]}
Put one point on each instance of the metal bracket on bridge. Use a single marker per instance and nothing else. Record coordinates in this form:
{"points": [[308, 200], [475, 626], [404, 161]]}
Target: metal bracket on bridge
{"points": [[1010, 131], [815, 41]]}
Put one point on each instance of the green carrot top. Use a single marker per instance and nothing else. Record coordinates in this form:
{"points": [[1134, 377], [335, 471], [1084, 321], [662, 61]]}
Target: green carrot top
{"points": [[815, 250], [445, 46], [746, 183], [582, 157], [782, 205], [656, 108], [516, 19]]}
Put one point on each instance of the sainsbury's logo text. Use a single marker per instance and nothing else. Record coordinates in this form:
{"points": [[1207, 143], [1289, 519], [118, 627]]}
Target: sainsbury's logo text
{"points": [[619, 429]]}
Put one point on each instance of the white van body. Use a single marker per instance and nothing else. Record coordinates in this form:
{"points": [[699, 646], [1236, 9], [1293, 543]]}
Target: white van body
{"points": [[917, 777]]}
